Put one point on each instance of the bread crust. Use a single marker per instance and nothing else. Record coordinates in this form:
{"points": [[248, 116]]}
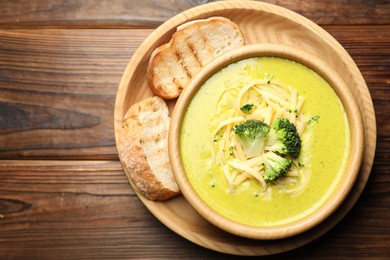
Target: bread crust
{"points": [[194, 44], [132, 144]]}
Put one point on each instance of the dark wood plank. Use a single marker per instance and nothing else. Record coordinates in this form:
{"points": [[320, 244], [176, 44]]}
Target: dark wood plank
{"points": [[336, 12], [57, 87], [74, 210], [150, 13], [57, 91], [369, 46], [87, 210], [89, 13]]}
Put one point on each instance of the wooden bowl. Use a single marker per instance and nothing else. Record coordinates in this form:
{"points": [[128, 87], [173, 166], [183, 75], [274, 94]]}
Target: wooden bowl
{"points": [[341, 190]]}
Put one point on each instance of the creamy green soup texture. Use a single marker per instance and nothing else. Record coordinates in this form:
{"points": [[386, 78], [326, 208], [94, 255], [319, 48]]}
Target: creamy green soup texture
{"points": [[325, 148]]}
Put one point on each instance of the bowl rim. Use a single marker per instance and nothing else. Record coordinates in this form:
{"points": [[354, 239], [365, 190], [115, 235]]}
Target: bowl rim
{"points": [[342, 189]]}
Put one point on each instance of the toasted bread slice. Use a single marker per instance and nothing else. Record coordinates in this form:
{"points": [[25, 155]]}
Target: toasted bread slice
{"points": [[192, 46], [143, 147]]}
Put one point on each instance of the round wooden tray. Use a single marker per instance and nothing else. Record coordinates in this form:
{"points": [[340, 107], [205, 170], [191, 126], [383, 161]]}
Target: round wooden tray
{"points": [[260, 23]]}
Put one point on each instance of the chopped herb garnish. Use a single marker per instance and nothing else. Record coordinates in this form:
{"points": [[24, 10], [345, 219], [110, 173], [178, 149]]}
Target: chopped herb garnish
{"points": [[231, 150], [246, 108], [268, 77], [217, 137], [314, 118], [212, 182]]}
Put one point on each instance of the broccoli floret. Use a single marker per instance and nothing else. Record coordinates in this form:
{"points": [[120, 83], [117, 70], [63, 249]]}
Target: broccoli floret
{"points": [[275, 166], [284, 138], [252, 136], [246, 108]]}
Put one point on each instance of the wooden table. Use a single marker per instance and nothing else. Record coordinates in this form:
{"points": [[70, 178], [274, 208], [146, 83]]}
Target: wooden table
{"points": [[63, 193]]}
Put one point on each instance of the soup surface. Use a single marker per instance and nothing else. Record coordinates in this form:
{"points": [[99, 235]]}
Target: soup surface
{"points": [[323, 155]]}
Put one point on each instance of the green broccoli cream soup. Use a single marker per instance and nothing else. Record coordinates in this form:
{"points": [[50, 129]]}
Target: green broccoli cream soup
{"points": [[220, 179]]}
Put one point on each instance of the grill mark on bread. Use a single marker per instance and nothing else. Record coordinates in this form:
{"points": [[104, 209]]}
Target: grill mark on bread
{"points": [[192, 47], [152, 139], [177, 84], [206, 42], [176, 80], [183, 65]]}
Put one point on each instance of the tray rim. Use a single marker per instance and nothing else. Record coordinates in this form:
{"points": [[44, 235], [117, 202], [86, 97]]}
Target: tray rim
{"points": [[167, 28]]}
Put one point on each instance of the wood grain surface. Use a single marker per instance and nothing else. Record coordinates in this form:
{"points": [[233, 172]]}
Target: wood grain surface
{"points": [[61, 94], [151, 13], [63, 193]]}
